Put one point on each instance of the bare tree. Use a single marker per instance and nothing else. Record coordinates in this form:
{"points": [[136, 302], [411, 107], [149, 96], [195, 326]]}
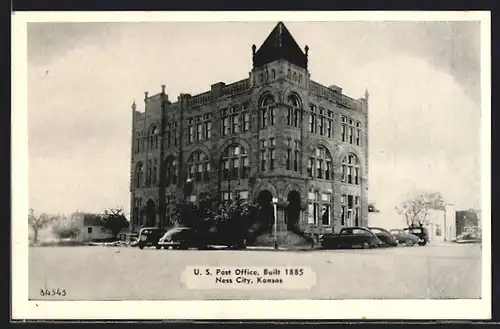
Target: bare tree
{"points": [[416, 209], [37, 223]]}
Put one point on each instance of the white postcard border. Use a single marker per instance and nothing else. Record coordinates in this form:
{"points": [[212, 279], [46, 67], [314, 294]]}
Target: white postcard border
{"points": [[22, 308]]}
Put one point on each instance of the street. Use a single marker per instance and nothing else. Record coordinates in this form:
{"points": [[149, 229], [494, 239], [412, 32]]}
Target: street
{"points": [[100, 273]]}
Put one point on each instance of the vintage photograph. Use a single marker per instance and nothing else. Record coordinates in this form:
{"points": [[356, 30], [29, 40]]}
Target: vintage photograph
{"points": [[255, 159]]}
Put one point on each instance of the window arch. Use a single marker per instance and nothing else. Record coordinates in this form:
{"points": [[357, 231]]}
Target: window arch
{"points": [[139, 172], [351, 170], [170, 171], [267, 110], [294, 111], [199, 166], [151, 172], [294, 76], [235, 162], [320, 164], [153, 137]]}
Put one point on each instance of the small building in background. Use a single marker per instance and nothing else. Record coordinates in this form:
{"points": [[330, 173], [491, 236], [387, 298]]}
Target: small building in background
{"points": [[91, 228]]}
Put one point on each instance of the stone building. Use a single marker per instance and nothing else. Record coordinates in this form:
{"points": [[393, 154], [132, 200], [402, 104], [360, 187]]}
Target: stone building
{"points": [[275, 134]]}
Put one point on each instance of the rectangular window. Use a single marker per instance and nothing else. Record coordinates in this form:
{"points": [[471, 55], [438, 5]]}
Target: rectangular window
{"points": [[199, 130], [321, 125], [263, 160], [288, 159], [342, 198], [344, 133], [296, 119], [263, 118], [356, 216], [226, 169], [342, 215], [356, 176], [208, 130], [272, 111], [272, 160], [312, 123], [328, 170], [319, 169], [296, 161], [236, 124], [343, 173], [246, 121], [311, 196], [289, 116], [235, 168], [325, 216], [245, 171], [225, 126], [329, 129], [206, 172], [272, 142], [325, 197], [310, 167], [191, 134], [244, 195], [356, 202], [199, 172], [350, 201], [349, 175], [191, 171], [358, 139], [350, 136], [225, 196], [313, 108], [310, 214], [316, 214]]}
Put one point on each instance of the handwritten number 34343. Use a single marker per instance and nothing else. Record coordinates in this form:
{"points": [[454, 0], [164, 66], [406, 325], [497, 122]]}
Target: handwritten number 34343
{"points": [[53, 292]]}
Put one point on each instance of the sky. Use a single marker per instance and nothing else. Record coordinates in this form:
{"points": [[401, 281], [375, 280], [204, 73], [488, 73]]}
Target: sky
{"points": [[424, 105]]}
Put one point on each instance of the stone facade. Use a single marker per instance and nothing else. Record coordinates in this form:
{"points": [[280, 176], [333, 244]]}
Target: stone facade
{"points": [[275, 131]]}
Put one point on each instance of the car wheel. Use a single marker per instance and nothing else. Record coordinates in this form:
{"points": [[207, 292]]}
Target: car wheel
{"points": [[366, 245], [422, 243], [409, 243], [141, 246]]}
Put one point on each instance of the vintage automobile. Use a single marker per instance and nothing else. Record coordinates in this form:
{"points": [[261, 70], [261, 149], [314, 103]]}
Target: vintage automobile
{"points": [[185, 238], [387, 238], [421, 233], [149, 237], [403, 237], [350, 237]]}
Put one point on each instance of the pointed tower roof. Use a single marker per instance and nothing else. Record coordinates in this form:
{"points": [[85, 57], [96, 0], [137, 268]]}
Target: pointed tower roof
{"points": [[280, 44]]}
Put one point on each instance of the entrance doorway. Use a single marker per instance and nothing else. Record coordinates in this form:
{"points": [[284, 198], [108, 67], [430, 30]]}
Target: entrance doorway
{"points": [[292, 211]]}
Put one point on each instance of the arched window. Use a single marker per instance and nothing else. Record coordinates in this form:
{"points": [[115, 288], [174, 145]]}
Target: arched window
{"points": [[153, 138], [320, 164], [199, 166], [273, 74], [267, 111], [294, 112], [235, 163], [170, 171], [294, 76], [351, 170], [151, 173], [139, 172]]}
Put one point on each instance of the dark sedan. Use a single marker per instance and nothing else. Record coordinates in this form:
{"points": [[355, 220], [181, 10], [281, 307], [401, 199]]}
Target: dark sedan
{"points": [[384, 236], [404, 237], [350, 237]]}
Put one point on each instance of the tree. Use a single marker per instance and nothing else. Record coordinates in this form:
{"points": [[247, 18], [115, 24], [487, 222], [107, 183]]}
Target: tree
{"points": [[416, 209], [37, 223], [64, 228], [372, 208], [114, 220]]}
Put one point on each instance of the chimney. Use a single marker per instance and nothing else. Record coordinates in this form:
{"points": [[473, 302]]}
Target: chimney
{"points": [[216, 89]]}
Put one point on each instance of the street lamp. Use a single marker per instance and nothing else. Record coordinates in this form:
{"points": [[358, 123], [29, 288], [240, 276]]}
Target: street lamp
{"points": [[275, 206]]}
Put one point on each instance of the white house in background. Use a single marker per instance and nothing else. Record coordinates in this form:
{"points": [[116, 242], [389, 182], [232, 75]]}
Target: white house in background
{"points": [[90, 227], [441, 223]]}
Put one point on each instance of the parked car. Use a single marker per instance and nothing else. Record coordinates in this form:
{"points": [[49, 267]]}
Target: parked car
{"points": [[384, 236], [404, 237], [185, 238], [350, 237], [421, 233], [149, 237]]}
